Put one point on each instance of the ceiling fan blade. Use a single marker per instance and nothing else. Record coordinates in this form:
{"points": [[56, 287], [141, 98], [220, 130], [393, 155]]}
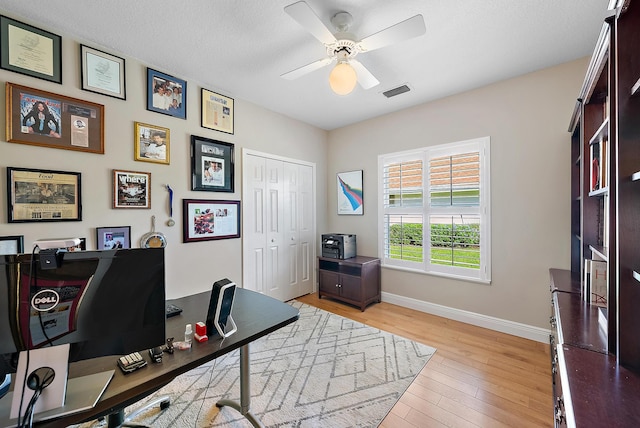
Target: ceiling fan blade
{"points": [[305, 16], [407, 29], [294, 74], [365, 78]]}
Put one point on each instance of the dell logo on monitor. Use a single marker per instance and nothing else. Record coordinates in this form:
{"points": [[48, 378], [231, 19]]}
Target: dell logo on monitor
{"points": [[45, 300]]}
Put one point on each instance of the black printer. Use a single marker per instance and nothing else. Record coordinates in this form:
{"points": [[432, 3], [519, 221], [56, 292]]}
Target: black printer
{"points": [[338, 246]]}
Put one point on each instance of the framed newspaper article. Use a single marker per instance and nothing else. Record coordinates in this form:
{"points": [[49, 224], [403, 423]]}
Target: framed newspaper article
{"points": [[38, 195], [131, 189], [217, 112]]}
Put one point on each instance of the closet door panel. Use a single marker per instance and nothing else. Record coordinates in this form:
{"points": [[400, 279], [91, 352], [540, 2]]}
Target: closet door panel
{"points": [[254, 220]]}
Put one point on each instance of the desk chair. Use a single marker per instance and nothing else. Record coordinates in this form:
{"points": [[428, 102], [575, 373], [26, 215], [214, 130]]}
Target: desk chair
{"points": [[119, 419]]}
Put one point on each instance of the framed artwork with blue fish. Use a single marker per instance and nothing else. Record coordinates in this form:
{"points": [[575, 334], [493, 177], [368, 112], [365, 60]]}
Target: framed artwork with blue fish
{"points": [[350, 200]]}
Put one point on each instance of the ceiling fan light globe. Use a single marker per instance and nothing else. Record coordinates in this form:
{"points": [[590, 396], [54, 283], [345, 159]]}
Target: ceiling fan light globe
{"points": [[343, 79]]}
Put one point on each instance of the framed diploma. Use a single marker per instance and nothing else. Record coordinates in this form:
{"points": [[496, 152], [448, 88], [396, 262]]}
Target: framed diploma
{"points": [[102, 73], [38, 195], [46, 119], [217, 112], [29, 50]]}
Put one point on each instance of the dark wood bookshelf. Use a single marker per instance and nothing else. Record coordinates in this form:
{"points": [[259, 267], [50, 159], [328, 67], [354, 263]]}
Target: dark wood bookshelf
{"points": [[596, 350]]}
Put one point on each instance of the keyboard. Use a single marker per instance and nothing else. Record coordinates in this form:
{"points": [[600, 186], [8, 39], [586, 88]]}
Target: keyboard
{"points": [[173, 310]]}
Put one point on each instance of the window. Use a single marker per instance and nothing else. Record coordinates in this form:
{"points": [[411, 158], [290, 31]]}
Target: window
{"points": [[434, 213]]}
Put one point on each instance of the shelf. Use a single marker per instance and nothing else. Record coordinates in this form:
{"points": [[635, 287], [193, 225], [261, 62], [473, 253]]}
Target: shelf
{"points": [[600, 192], [601, 133], [635, 90], [602, 252]]}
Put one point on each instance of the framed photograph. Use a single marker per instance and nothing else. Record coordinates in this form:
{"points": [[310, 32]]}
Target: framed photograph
{"points": [[212, 165], [131, 189], [102, 73], [46, 119], [152, 143], [217, 112], [111, 238], [205, 220], [11, 244], [166, 94], [350, 193], [39, 195], [29, 50]]}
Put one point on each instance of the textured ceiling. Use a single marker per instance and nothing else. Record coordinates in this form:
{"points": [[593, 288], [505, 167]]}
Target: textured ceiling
{"points": [[240, 48]]}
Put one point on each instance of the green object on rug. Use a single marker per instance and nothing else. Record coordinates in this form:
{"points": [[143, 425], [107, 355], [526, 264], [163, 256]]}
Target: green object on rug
{"points": [[323, 370]]}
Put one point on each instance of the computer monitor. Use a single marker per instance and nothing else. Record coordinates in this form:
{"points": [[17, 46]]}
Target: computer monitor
{"points": [[102, 303]]}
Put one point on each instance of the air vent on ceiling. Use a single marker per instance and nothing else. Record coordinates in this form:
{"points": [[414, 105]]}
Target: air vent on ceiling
{"points": [[396, 91]]}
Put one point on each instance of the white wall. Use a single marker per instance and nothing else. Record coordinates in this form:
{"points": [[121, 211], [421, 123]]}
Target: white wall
{"points": [[527, 119], [191, 267]]}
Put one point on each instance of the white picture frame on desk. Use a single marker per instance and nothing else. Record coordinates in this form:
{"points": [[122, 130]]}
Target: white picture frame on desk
{"points": [[53, 396]]}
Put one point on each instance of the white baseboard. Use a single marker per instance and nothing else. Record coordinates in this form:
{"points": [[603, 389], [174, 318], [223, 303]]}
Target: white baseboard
{"points": [[516, 329]]}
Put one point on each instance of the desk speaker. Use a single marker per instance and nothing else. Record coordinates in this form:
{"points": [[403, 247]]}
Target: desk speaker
{"points": [[219, 318]]}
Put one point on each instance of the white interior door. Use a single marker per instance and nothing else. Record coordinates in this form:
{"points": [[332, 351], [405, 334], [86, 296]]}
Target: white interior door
{"points": [[254, 233], [306, 230], [277, 256], [278, 226]]}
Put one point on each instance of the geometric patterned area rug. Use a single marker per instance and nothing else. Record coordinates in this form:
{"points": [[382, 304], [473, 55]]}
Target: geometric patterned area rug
{"points": [[320, 371]]}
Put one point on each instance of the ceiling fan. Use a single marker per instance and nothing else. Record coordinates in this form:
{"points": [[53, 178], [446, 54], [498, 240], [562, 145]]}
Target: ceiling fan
{"points": [[343, 46]]}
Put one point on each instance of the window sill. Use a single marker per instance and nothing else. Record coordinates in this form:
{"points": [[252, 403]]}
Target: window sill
{"points": [[439, 274]]}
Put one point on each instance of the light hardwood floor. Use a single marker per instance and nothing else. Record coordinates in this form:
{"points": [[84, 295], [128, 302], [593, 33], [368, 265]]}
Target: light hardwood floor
{"points": [[477, 377]]}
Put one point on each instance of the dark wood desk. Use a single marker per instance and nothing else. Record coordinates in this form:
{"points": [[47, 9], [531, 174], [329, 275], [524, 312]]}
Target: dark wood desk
{"points": [[255, 314]]}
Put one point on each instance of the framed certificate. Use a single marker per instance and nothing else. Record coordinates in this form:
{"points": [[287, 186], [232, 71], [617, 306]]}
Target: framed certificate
{"points": [[29, 50], [102, 73]]}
